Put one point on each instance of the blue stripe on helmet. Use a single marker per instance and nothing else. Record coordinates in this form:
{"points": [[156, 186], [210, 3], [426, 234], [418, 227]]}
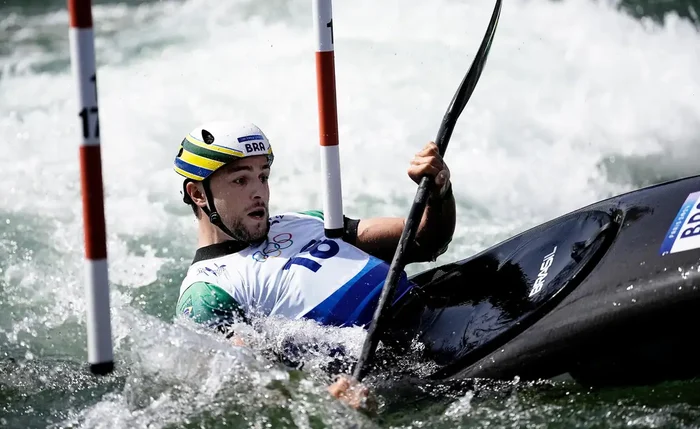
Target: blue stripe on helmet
{"points": [[192, 169]]}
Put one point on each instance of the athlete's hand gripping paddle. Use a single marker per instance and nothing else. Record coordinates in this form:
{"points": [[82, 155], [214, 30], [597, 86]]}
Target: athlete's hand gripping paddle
{"points": [[459, 101]]}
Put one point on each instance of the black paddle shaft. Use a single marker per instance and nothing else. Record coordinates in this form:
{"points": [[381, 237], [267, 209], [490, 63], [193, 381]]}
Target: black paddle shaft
{"points": [[459, 101]]}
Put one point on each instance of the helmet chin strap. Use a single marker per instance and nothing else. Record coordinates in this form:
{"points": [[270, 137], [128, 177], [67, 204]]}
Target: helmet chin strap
{"points": [[210, 211]]}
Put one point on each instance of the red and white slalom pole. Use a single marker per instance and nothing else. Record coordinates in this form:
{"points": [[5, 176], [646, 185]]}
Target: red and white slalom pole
{"points": [[328, 118], [99, 330]]}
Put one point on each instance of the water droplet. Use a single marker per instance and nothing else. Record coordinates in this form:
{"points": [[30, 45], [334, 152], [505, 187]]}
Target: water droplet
{"points": [[634, 300], [7, 221], [630, 287]]}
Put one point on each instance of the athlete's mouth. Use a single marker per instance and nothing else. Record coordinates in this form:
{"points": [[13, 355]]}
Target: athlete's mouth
{"points": [[257, 214]]}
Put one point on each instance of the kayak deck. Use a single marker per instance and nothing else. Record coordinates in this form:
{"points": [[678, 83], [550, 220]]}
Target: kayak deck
{"points": [[605, 294]]}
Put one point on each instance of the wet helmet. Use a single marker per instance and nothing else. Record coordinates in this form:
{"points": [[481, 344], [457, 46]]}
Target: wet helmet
{"points": [[211, 146]]}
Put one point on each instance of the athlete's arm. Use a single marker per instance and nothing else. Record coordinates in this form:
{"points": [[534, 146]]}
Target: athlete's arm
{"points": [[207, 304], [380, 236]]}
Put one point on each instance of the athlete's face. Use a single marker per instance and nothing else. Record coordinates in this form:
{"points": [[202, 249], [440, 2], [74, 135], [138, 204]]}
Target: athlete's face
{"points": [[241, 196]]}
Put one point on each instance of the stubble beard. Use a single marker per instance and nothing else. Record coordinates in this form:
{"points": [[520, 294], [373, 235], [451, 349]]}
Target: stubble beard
{"points": [[249, 234]]}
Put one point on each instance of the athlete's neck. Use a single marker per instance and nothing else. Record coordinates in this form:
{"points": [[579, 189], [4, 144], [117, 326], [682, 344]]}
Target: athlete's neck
{"points": [[209, 234]]}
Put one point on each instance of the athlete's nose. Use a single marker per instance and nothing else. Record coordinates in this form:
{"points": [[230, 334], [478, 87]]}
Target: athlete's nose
{"points": [[258, 191]]}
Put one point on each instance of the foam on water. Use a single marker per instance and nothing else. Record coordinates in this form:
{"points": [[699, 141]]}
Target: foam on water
{"points": [[567, 86]]}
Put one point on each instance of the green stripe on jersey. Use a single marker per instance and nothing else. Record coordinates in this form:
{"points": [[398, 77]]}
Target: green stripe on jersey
{"points": [[314, 213], [210, 305]]}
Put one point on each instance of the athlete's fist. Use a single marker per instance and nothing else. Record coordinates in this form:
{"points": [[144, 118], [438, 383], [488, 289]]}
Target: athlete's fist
{"points": [[428, 162], [353, 393]]}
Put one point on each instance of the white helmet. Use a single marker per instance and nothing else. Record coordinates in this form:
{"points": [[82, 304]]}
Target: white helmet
{"points": [[214, 144]]}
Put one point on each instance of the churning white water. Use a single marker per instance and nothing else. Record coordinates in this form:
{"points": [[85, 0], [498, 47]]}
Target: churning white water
{"points": [[577, 102]]}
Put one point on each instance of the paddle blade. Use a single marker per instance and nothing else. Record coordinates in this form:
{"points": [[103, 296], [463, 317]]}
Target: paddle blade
{"points": [[468, 84]]}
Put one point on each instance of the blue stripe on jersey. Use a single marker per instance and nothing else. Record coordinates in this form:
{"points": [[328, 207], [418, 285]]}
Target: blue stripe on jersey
{"points": [[354, 303]]}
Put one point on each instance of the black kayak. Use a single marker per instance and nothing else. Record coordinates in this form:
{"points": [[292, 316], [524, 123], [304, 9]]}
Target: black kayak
{"points": [[607, 294]]}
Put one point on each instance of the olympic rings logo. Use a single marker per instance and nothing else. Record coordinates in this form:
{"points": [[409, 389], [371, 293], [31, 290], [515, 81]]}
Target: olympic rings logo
{"points": [[274, 248]]}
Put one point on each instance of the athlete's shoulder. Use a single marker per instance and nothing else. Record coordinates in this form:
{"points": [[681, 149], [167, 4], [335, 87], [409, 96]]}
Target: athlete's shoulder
{"points": [[315, 218], [206, 294], [316, 215], [301, 219], [208, 304], [207, 271]]}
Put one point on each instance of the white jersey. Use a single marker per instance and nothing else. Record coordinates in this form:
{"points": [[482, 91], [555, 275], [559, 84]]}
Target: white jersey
{"points": [[296, 272]]}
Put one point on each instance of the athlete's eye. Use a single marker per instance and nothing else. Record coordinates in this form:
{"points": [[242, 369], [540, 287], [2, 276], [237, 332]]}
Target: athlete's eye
{"points": [[264, 178], [239, 181]]}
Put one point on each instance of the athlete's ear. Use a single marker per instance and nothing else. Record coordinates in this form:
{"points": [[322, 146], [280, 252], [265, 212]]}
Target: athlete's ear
{"points": [[196, 193]]}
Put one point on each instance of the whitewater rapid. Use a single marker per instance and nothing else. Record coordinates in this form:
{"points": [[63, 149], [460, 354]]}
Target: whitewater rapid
{"points": [[578, 101]]}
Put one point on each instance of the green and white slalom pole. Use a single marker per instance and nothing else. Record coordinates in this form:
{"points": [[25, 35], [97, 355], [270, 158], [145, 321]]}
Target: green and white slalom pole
{"points": [[328, 118], [82, 49]]}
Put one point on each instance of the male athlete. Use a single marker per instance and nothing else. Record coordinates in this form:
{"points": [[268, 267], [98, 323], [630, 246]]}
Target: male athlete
{"points": [[251, 263]]}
